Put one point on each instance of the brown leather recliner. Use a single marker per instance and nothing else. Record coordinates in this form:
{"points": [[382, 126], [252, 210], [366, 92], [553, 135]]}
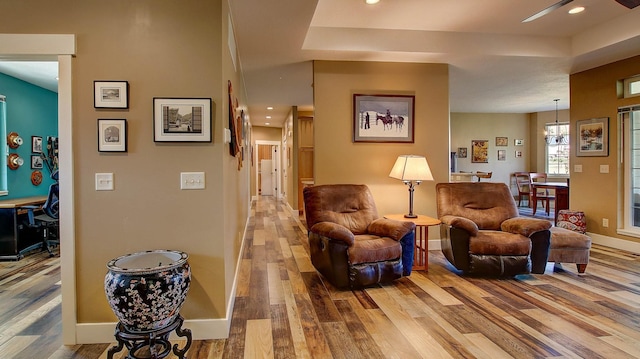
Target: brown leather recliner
{"points": [[482, 233], [350, 245]]}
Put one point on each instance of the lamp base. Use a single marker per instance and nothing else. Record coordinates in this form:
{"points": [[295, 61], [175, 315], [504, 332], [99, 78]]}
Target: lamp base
{"points": [[410, 215]]}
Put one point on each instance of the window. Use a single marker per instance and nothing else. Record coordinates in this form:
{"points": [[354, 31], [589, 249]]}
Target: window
{"points": [[630, 120], [557, 153], [632, 86]]}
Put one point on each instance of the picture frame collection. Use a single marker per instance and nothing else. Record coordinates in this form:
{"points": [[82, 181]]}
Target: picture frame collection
{"points": [[175, 119]]}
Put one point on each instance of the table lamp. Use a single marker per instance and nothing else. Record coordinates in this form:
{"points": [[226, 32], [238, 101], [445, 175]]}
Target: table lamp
{"points": [[411, 170]]}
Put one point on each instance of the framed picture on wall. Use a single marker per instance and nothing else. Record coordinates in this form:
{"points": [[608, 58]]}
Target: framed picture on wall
{"points": [[518, 154], [480, 151], [36, 144], [184, 120], [36, 162], [502, 155], [518, 142], [112, 135], [593, 137], [502, 141], [111, 94], [462, 152], [383, 118]]}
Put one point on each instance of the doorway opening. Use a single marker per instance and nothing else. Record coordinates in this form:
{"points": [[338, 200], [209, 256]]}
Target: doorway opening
{"points": [[268, 181]]}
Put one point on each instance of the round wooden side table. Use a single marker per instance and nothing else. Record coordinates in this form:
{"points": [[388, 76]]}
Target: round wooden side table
{"points": [[421, 251]]}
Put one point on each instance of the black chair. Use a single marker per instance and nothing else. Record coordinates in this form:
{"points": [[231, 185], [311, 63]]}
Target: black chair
{"points": [[47, 221]]}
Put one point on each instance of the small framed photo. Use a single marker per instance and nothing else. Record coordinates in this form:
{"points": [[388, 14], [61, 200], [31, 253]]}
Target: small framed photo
{"points": [[593, 137], [111, 94], [36, 144], [112, 135], [518, 142], [181, 119], [518, 154], [502, 141], [383, 118], [36, 162], [502, 155], [462, 152]]}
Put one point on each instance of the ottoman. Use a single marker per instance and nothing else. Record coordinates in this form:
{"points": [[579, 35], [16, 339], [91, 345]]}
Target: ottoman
{"points": [[569, 247]]}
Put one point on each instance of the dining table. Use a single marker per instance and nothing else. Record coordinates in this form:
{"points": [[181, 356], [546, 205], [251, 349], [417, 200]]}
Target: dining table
{"points": [[561, 195]]}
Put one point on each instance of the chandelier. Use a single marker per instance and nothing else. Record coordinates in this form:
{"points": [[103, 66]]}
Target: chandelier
{"points": [[558, 138]]}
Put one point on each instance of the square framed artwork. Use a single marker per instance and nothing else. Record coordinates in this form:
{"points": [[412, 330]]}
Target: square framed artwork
{"points": [[181, 119], [462, 152], [36, 144], [480, 151], [502, 141], [37, 162], [383, 118], [593, 137], [112, 135], [502, 155], [518, 154], [111, 94]]}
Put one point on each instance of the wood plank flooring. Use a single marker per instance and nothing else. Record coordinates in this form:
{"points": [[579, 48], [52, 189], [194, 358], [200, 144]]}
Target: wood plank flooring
{"points": [[285, 309]]}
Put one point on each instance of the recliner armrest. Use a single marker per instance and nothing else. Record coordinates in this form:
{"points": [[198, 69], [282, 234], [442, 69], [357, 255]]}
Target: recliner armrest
{"points": [[524, 225], [391, 228], [462, 223], [334, 231]]}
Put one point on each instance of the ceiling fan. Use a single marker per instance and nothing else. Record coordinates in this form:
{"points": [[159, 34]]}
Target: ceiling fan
{"points": [[627, 3]]}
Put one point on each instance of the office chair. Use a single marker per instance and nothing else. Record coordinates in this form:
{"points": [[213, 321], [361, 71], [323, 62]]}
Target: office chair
{"points": [[48, 220]]}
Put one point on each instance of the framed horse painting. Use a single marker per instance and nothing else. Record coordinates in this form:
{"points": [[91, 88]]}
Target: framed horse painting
{"points": [[383, 118]]}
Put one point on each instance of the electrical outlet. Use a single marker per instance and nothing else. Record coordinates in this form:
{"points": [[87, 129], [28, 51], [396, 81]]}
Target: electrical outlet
{"points": [[604, 168], [577, 168], [191, 180], [605, 222]]}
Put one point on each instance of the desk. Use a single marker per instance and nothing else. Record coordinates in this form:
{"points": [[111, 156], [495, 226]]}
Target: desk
{"points": [[420, 253], [13, 238], [562, 195]]}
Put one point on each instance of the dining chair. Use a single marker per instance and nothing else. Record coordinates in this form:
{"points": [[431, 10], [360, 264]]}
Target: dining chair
{"points": [[523, 183], [543, 195]]}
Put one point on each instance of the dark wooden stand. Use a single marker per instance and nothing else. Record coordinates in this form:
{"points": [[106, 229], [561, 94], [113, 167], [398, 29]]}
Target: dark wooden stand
{"points": [[156, 341]]}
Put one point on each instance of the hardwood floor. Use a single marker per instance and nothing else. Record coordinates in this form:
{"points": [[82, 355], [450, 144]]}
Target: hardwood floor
{"points": [[284, 309]]}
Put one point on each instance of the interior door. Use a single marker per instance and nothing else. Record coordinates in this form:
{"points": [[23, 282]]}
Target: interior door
{"points": [[274, 170], [266, 168]]}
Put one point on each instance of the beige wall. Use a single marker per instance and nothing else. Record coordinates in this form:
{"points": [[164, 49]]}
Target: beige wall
{"points": [[593, 94], [339, 160], [466, 127], [155, 45]]}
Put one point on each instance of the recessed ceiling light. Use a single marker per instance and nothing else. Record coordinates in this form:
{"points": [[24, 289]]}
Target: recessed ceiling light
{"points": [[268, 116], [267, 123], [576, 10], [270, 108], [371, 2]]}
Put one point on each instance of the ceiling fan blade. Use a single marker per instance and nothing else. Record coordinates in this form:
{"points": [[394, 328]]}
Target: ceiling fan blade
{"points": [[547, 10]]}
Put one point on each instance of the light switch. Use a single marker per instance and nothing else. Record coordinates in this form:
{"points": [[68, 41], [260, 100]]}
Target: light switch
{"points": [[577, 168], [104, 181], [604, 168], [192, 180]]}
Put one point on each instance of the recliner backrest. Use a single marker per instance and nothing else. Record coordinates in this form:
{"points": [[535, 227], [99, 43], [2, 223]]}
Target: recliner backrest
{"points": [[349, 205], [487, 204]]}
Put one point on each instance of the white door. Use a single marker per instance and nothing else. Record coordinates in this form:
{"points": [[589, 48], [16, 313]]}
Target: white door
{"points": [[266, 177], [274, 170]]}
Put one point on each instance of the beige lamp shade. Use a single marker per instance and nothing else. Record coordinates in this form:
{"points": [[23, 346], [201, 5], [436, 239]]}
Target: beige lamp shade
{"points": [[411, 168]]}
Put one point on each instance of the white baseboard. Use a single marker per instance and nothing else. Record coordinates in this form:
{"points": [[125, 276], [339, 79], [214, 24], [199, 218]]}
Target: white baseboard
{"points": [[201, 329], [616, 243]]}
